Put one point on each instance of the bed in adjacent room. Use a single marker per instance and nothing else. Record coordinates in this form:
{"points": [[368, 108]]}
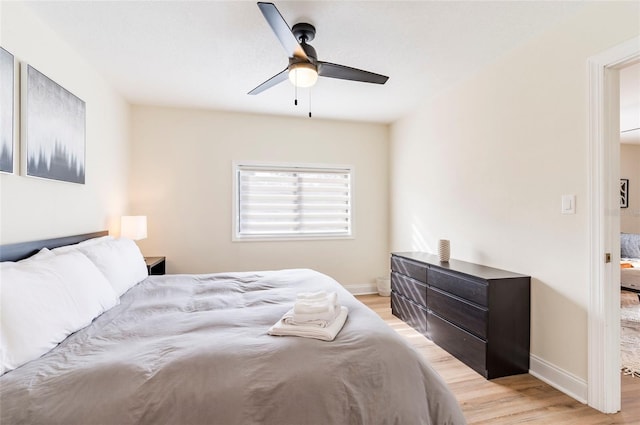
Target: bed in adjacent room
{"points": [[181, 349], [630, 262]]}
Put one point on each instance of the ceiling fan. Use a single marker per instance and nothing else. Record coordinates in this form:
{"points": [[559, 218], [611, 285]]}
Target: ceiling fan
{"points": [[304, 67]]}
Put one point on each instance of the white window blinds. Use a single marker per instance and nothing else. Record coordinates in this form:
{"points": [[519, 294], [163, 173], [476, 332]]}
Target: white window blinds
{"points": [[288, 201]]}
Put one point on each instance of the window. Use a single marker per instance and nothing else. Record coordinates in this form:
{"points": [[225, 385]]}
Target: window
{"points": [[287, 201]]}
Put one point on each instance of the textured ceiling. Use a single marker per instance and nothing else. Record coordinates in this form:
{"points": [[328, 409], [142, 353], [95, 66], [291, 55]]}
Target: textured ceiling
{"points": [[209, 54]]}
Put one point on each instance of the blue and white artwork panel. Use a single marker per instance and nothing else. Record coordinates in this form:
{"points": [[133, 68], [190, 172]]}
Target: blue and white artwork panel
{"points": [[53, 129]]}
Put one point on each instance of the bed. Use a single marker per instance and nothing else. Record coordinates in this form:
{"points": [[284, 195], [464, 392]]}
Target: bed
{"points": [[194, 349], [630, 262]]}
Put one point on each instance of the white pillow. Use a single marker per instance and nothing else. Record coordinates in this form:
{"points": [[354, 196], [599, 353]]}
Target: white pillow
{"points": [[43, 301], [89, 288], [120, 260], [87, 284]]}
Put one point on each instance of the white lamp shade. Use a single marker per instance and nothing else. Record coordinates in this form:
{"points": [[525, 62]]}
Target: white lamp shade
{"points": [[133, 227], [303, 74]]}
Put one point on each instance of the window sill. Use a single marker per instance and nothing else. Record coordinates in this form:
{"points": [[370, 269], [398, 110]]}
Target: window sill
{"points": [[290, 238]]}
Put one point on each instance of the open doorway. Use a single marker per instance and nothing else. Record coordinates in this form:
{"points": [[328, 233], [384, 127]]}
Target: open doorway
{"points": [[629, 82], [604, 224]]}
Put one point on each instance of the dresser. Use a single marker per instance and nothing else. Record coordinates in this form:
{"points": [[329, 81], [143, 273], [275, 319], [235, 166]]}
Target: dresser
{"points": [[479, 314]]}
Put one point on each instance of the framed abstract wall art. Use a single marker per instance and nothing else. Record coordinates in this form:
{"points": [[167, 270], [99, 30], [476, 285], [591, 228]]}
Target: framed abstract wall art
{"points": [[53, 129], [624, 193], [7, 117]]}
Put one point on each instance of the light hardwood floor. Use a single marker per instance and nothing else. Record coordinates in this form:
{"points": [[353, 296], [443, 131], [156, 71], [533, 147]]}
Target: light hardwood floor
{"points": [[510, 400]]}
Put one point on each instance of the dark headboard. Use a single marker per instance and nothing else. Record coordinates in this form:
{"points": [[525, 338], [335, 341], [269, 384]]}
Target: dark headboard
{"points": [[21, 250]]}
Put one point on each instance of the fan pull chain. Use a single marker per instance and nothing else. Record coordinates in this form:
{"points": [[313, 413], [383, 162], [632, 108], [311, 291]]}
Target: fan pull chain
{"points": [[295, 90], [309, 103]]}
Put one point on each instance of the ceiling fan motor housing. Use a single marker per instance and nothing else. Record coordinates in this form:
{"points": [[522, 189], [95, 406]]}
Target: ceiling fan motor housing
{"points": [[304, 33]]}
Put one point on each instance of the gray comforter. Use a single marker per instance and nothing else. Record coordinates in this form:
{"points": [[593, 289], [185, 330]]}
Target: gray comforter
{"points": [[194, 349]]}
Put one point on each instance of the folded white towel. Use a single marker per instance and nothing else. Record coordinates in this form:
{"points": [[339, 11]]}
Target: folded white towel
{"points": [[326, 304], [313, 308], [326, 334], [315, 319], [319, 295]]}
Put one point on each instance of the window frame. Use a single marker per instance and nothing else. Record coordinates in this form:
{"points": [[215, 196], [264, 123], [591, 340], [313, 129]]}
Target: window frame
{"points": [[275, 166]]}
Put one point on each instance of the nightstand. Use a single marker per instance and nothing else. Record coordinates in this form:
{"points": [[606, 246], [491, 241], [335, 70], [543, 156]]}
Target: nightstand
{"points": [[155, 265]]}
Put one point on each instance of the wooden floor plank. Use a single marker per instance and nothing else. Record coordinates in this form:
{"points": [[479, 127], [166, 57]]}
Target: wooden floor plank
{"points": [[520, 399]]}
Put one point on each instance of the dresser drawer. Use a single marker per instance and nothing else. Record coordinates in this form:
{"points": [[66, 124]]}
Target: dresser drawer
{"points": [[468, 289], [469, 349], [409, 288], [409, 268], [461, 313], [414, 315]]}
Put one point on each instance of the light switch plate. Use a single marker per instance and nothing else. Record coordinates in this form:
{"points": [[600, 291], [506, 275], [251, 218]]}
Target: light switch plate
{"points": [[568, 204]]}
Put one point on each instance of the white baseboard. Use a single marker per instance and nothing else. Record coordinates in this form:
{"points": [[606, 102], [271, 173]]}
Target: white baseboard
{"points": [[558, 378], [362, 288]]}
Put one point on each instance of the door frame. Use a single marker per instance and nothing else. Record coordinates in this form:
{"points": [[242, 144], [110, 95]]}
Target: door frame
{"points": [[603, 380]]}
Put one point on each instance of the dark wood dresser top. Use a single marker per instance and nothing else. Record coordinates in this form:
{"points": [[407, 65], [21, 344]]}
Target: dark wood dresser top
{"points": [[471, 269]]}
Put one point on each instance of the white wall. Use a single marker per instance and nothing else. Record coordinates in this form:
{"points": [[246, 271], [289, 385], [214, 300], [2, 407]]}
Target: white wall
{"points": [[35, 208], [485, 166], [630, 169], [182, 180]]}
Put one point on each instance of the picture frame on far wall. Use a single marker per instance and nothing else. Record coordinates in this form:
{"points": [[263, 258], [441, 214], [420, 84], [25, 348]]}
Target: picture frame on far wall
{"points": [[7, 113], [53, 129], [624, 193]]}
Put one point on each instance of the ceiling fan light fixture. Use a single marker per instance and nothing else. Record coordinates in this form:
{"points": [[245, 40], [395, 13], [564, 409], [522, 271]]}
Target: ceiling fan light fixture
{"points": [[303, 74]]}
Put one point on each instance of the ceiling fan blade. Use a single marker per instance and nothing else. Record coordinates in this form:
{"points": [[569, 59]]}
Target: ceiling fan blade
{"points": [[332, 70], [282, 31], [276, 79]]}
